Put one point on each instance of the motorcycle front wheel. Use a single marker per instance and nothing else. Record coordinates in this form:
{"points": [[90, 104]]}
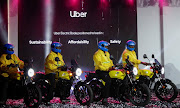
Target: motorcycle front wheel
{"points": [[33, 96], [167, 91], [140, 95], [96, 87], [83, 94]]}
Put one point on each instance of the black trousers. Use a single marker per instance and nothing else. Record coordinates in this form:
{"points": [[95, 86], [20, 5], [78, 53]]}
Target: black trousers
{"points": [[51, 78], [3, 88], [104, 75]]}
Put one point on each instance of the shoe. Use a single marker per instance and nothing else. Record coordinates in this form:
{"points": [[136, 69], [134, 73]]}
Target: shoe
{"points": [[2, 103], [105, 102], [47, 103]]}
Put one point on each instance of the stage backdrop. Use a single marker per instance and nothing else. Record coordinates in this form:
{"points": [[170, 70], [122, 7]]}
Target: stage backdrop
{"points": [[78, 25], [3, 24]]}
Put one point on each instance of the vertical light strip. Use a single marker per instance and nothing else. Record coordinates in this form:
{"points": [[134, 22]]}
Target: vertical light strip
{"points": [[3, 31], [49, 13], [13, 24], [8, 20]]}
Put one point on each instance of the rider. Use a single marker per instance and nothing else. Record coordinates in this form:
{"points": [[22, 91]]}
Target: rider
{"points": [[54, 63], [103, 64], [9, 64], [129, 51]]}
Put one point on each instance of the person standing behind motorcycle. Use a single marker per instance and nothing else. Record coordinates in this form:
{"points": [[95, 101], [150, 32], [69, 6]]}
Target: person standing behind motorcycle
{"points": [[54, 63], [129, 51], [103, 64], [9, 64]]}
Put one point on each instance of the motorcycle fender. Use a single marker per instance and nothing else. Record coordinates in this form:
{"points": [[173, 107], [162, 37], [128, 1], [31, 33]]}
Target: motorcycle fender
{"points": [[79, 83], [142, 79], [30, 85], [94, 79], [162, 81]]}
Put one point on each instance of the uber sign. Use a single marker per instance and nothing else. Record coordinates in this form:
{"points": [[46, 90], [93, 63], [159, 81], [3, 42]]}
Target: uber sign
{"points": [[78, 14]]}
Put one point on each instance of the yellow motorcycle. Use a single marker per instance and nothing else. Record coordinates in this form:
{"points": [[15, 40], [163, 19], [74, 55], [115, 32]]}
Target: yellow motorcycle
{"points": [[123, 83], [164, 88], [20, 85], [65, 80]]}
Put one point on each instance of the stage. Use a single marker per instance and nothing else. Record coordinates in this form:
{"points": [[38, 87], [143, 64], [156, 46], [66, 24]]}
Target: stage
{"points": [[72, 103]]}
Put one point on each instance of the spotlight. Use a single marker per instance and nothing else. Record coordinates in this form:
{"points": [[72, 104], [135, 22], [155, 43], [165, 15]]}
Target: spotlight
{"points": [[49, 13]]}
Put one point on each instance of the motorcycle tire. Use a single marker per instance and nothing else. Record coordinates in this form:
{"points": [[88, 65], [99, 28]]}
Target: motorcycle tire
{"points": [[44, 87], [78, 92], [33, 96], [143, 89], [96, 87], [158, 93]]}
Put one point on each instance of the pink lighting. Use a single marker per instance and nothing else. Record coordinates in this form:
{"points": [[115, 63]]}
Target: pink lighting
{"points": [[104, 4], [73, 4], [130, 2], [47, 2]]}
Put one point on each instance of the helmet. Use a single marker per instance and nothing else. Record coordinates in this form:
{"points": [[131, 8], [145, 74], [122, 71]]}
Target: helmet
{"points": [[130, 45], [103, 45], [56, 47], [9, 49]]}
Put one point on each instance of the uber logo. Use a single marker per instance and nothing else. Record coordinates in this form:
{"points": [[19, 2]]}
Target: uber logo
{"points": [[78, 14]]}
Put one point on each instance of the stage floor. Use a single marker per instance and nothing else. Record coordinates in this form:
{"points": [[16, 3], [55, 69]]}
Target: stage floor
{"points": [[72, 103]]}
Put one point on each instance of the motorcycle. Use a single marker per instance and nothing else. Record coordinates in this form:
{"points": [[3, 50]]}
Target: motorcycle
{"points": [[24, 87], [164, 88], [64, 82], [123, 83]]}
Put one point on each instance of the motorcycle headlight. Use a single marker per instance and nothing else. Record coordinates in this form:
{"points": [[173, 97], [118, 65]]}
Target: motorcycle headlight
{"points": [[78, 72], [135, 71], [31, 72], [162, 70]]}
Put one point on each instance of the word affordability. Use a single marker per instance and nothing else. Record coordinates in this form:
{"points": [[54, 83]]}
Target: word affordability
{"points": [[78, 42]]}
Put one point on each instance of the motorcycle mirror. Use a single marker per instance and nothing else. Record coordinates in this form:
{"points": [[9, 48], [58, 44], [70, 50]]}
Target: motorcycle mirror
{"points": [[74, 63], [144, 56], [57, 59], [78, 56], [31, 60], [112, 57], [153, 56]]}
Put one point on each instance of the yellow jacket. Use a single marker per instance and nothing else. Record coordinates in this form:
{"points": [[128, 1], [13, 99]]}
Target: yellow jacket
{"points": [[102, 61], [51, 65], [12, 72], [136, 62], [132, 58]]}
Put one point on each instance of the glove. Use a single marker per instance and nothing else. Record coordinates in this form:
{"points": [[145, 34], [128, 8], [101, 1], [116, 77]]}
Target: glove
{"points": [[11, 65], [17, 65], [63, 68], [144, 63]]}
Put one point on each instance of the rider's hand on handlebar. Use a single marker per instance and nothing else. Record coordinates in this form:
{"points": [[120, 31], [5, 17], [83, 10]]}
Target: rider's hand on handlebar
{"points": [[13, 65], [144, 63], [113, 68], [58, 68], [63, 68]]}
